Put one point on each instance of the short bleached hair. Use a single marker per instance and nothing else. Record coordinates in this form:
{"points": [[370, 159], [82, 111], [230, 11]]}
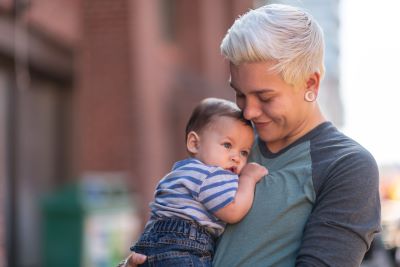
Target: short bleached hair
{"points": [[285, 35]]}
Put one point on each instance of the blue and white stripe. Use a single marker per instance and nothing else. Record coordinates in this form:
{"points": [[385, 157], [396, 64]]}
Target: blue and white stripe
{"points": [[194, 191]]}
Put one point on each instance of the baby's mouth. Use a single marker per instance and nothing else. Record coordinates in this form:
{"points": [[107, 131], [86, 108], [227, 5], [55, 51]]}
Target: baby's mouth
{"points": [[232, 169]]}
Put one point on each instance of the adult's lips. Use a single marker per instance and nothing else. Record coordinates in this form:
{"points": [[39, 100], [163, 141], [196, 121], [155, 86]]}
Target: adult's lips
{"points": [[262, 124]]}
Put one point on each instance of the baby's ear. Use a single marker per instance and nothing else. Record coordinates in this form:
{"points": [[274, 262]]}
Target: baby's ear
{"points": [[192, 143]]}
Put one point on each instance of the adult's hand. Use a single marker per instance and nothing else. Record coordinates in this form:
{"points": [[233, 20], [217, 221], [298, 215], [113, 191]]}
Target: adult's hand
{"points": [[133, 260]]}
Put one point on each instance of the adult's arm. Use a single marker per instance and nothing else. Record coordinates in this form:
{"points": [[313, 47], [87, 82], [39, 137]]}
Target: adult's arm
{"points": [[346, 214]]}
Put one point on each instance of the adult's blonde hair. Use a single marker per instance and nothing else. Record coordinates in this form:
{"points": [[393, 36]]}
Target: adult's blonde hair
{"points": [[285, 35]]}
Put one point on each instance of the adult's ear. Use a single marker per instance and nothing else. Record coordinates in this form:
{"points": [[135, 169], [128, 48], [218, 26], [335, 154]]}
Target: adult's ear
{"points": [[193, 142], [312, 83]]}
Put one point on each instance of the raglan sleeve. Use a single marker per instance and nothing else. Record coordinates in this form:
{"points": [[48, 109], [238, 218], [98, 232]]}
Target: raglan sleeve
{"points": [[346, 213]]}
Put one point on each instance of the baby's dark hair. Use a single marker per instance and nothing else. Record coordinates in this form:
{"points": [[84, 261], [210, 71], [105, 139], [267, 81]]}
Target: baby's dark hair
{"points": [[210, 108]]}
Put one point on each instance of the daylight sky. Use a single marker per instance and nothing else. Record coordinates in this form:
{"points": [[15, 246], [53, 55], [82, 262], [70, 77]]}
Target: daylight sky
{"points": [[370, 73]]}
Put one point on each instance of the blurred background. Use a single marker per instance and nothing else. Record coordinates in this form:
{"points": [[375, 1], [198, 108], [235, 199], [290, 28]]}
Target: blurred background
{"points": [[94, 98]]}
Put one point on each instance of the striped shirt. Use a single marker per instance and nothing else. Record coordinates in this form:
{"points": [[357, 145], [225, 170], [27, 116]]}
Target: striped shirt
{"points": [[194, 191]]}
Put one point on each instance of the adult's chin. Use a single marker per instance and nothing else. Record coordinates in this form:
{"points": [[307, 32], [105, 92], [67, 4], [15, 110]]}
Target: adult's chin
{"points": [[266, 131]]}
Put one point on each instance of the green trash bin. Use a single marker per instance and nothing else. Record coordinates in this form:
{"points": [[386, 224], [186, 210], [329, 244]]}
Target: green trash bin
{"points": [[89, 224]]}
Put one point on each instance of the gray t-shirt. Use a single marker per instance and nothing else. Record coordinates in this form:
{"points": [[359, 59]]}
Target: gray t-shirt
{"points": [[318, 206]]}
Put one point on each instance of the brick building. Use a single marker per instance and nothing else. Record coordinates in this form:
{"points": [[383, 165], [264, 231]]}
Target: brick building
{"points": [[98, 85]]}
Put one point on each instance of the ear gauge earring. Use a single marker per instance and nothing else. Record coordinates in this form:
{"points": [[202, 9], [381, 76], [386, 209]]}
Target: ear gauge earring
{"points": [[309, 96]]}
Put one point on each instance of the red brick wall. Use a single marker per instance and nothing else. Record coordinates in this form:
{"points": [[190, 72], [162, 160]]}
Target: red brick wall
{"points": [[132, 82], [103, 96], [133, 88]]}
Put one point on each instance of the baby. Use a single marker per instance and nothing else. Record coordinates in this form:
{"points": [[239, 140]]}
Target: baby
{"points": [[202, 193]]}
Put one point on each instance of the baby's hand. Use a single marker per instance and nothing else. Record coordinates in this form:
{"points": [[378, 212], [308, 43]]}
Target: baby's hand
{"points": [[253, 171]]}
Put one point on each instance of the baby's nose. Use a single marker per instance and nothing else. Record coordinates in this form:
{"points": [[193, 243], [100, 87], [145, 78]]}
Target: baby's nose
{"points": [[235, 157]]}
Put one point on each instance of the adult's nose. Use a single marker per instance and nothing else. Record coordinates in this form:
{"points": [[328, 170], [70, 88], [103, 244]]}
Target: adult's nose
{"points": [[251, 110]]}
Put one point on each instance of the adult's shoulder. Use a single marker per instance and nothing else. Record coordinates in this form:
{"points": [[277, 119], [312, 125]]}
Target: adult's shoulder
{"points": [[346, 212], [335, 156], [329, 141]]}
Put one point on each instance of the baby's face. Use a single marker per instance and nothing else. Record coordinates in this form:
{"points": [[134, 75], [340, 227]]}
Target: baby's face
{"points": [[225, 143]]}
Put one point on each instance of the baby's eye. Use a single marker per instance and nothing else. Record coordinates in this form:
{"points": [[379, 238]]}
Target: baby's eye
{"points": [[227, 145], [244, 153]]}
